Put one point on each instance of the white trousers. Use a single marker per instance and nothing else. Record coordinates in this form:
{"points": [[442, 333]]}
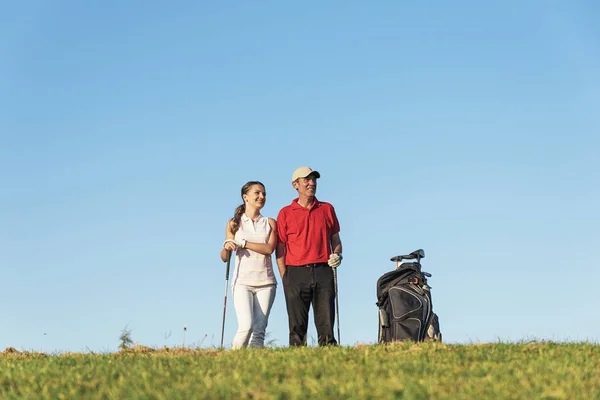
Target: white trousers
{"points": [[252, 306]]}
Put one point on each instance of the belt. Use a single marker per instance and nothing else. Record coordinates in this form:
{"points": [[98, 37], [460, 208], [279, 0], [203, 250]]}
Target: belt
{"points": [[314, 265]]}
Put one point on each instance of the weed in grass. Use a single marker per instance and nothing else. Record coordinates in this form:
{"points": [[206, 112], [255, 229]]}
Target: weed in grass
{"points": [[125, 339]]}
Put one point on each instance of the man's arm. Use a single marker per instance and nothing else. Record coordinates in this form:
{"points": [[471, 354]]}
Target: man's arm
{"points": [[336, 243], [280, 257]]}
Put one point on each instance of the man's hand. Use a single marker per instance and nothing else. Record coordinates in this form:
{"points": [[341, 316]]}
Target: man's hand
{"points": [[335, 259]]}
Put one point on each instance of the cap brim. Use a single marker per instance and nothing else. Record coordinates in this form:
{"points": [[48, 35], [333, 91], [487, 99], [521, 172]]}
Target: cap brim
{"points": [[298, 175]]}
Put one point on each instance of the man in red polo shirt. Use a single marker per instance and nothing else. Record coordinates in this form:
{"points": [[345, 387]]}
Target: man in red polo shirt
{"points": [[309, 245]]}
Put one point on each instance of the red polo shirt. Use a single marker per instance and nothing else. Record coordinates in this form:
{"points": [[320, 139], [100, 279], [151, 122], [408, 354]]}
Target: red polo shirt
{"points": [[307, 232]]}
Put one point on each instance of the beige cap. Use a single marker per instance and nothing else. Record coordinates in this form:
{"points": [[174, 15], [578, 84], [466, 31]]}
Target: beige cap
{"points": [[303, 172]]}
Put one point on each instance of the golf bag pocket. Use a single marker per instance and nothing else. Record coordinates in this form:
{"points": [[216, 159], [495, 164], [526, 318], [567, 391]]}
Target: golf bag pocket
{"points": [[433, 330], [409, 311]]}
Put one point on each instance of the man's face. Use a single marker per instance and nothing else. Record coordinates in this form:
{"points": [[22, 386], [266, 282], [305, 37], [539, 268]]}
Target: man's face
{"points": [[306, 186]]}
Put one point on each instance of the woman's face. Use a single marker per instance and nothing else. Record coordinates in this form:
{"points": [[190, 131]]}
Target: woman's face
{"points": [[256, 196]]}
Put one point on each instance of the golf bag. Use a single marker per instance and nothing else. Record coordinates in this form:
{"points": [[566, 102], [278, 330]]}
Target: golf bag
{"points": [[404, 301]]}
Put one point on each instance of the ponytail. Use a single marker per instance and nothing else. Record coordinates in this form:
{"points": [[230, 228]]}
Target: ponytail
{"points": [[237, 217]]}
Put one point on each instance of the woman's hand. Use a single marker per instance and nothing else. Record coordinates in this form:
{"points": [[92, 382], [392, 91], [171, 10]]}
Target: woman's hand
{"points": [[229, 246], [232, 244]]}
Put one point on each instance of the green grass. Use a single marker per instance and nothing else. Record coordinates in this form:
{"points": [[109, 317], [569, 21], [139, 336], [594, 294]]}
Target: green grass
{"points": [[404, 370]]}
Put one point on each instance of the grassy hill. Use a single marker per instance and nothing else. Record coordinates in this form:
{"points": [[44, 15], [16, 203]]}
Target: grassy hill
{"points": [[404, 370]]}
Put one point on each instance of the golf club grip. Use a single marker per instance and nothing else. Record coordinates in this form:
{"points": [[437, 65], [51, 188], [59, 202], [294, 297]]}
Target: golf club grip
{"points": [[227, 269]]}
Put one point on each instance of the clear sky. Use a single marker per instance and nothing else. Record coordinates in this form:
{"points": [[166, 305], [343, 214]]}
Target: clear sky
{"points": [[470, 129]]}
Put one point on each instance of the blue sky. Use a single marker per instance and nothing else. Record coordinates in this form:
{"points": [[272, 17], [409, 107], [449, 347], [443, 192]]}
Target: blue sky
{"points": [[465, 128]]}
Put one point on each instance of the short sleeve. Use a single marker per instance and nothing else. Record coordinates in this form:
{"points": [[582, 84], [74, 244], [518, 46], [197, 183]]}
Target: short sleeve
{"points": [[335, 228], [282, 226]]}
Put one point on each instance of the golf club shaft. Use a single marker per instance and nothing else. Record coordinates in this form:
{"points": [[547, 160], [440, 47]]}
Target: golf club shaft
{"points": [[225, 298], [337, 308]]}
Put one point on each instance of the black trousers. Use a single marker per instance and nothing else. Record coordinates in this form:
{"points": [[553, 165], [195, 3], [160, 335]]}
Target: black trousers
{"points": [[303, 286]]}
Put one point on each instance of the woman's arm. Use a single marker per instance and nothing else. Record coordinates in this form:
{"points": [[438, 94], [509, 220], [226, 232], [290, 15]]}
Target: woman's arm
{"points": [[266, 248], [227, 247]]}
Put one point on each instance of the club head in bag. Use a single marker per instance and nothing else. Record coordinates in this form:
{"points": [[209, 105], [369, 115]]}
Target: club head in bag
{"points": [[417, 254]]}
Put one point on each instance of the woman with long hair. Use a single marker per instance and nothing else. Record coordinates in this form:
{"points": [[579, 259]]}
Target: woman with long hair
{"points": [[253, 237]]}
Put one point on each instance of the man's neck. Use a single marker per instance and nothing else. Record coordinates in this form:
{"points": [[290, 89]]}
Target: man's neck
{"points": [[306, 201]]}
